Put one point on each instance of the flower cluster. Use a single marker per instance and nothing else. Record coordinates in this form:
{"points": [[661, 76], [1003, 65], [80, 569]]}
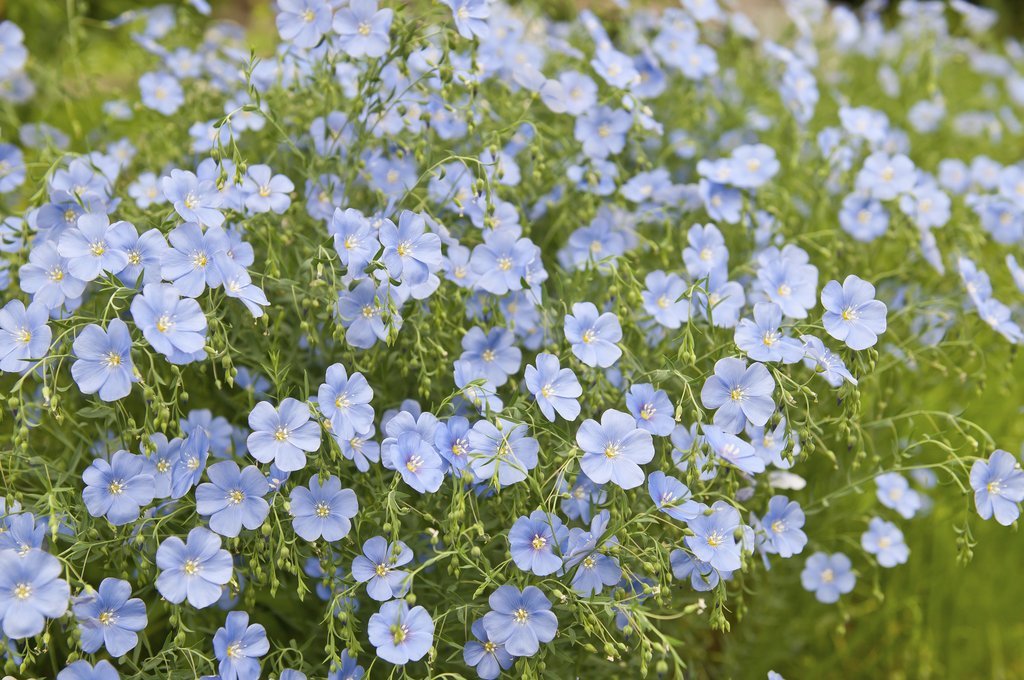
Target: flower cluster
{"points": [[450, 336]]}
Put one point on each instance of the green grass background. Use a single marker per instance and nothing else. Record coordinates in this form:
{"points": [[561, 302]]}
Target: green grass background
{"points": [[931, 618]]}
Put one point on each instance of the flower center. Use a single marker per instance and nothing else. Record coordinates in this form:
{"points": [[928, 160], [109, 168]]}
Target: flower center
{"points": [[382, 570], [547, 391], [994, 487], [107, 617], [364, 29], [715, 539], [234, 650], [520, 615], [308, 16], [505, 263], [342, 401], [611, 449], [849, 314], [56, 274], [98, 248], [24, 336], [281, 433], [22, 591], [112, 360], [191, 201], [191, 567], [490, 647], [785, 290], [778, 526], [488, 355], [538, 542], [236, 496], [736, 394], [414, 464], [164, 323], [116, 487], [589, 336], [589, 562], [199, 259], [322, 510], [648, 411], [399, 633], [884, 542], [828, 576]]}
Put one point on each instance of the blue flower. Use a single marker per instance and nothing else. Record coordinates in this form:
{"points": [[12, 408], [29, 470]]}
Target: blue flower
{"points": [[401, 634], [753, 165], [82, 670], [492, 355], [734, 450], [419, 464], [593, 336], [411, 253], [533, 541], [266, 192], [104, 361], [470, 21], [486, 656], [894, 492], [672, 497], [355, 240], [361, 312], [520, 620], [30, 592], [173, 326], [110, 617], [852, 314], [362, 29], [90, 247], [863, 217], [118, 489], [188, 467], [12, 166], [595, 569], [233, 498], [238, 647], [47, 279], [21, 532], [194, 569], [193, 199], [303, 22], [830, 366], [787, 278], [602, 131], [376, 567], [714, 536], [762, 338], [998, 485], [345, 400], [24, 335], [323, 510], [783, 527], [664, 299], [614, 450], [885, 177], [282, 435], [828, 576], [161, 92], [145, 253], [740, 393], [503, 259], [451, 438], [555, 388], [651, 408], [197, 259], [582, 498], [505, 452], [703, 577], [884, 540]]}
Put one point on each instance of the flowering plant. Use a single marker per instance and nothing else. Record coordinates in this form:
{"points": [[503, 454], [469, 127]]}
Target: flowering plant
{"points": [[451, 339]]}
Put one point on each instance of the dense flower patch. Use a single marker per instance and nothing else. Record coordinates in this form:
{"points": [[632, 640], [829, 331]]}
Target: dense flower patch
{"points": [[450, 339]]}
